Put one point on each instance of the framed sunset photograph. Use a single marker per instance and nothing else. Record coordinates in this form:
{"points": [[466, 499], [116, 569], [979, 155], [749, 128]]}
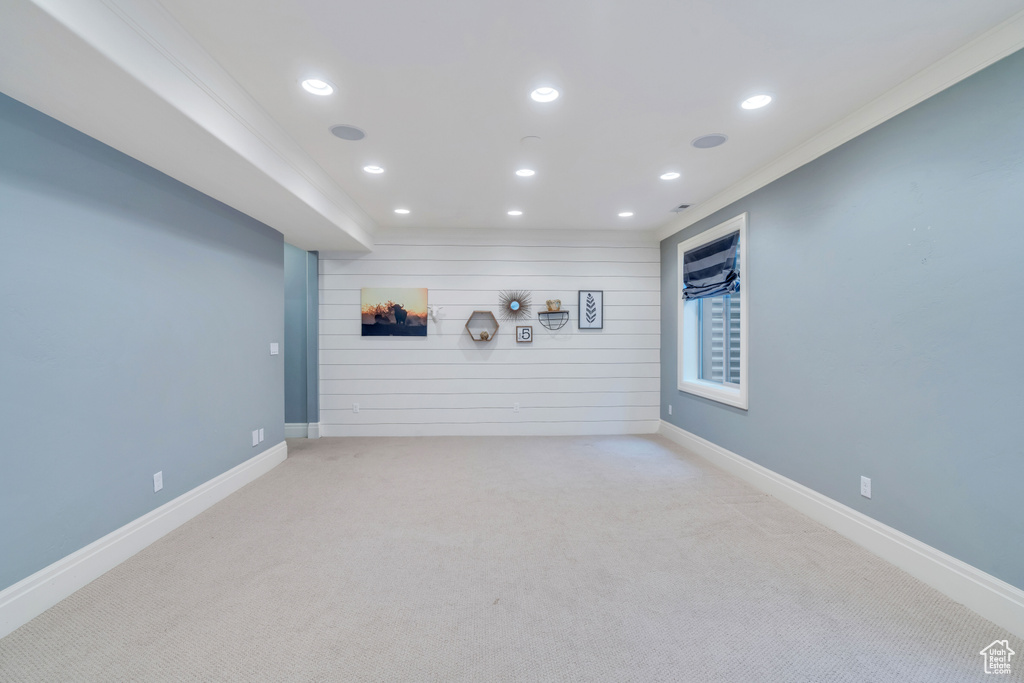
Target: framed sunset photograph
{"points": [[394, 311]]}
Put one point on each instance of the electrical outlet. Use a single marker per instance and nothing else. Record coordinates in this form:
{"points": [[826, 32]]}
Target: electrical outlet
{"points": [[355, 407], [255, 437], [865, 487], [515, 407], [669, 408], [158, 481], [261, 434]]}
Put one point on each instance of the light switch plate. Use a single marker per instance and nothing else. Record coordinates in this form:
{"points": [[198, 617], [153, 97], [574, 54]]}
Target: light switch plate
{"points": [[158, 481], [274, 348], [261, 434], [255, 437]]}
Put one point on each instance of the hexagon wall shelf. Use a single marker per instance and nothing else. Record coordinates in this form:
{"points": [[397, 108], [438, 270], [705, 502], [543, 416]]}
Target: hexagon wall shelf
{"points": [[482, 326]]}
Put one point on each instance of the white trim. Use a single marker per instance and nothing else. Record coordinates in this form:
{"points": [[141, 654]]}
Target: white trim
{"points": [[989, 47], [409, 429], [992, 598], [689, 331], [314, 431], [35, 594], [296, 430]]}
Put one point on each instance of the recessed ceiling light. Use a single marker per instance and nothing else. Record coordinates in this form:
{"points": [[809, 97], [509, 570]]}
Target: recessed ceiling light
{"points": [[756, 102], [708, 141], [317, 86], [525, 172], [545, 94], [514, 212], [402, 211], [373, 169], [671, 175], [625, 214]]}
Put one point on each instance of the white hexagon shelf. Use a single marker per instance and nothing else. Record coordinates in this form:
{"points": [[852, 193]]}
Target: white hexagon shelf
{"points": [[482, 326]]}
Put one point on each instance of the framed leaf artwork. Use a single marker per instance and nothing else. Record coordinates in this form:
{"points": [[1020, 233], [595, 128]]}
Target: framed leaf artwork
{"points": [[591, 309]]}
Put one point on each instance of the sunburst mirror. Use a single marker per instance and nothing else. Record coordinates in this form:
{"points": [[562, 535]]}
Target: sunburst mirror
{"points": [[514, 304]]}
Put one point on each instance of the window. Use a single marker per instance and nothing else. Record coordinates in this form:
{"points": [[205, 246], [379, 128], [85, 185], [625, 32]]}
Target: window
{"points": [[713, 294]]}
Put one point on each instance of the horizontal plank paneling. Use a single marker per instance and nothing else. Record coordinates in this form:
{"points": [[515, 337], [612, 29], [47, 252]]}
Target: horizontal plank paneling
{"points": [[430, 416], [489, 371], [342, 317], [454, 324], [568, 381], [587, 340], [488, 298], [481, 268], [514, 386], [524, 356], [435, 401], [619, 283]]}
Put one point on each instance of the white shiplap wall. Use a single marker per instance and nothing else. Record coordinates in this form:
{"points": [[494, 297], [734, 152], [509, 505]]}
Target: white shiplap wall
{"points": [[567, 382]]}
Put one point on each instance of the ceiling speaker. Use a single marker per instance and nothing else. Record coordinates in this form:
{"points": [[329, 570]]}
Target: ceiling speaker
{"points": [[712, 140], [347, 132]]}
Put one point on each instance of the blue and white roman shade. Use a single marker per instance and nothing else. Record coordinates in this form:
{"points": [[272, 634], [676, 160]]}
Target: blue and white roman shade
{"points": [[712, 269]]}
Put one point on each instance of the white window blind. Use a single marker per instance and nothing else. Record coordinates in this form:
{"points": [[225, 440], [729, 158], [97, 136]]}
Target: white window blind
{"points": [[721, 339]]}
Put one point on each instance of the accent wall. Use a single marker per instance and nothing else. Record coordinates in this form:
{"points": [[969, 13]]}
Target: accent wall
{"points": [[567, 381]]}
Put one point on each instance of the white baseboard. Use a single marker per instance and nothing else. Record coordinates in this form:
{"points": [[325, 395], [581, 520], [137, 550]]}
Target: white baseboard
{"points": [[569, 428], [296, 430], [992, 598], [35, 594], [313, 431]]}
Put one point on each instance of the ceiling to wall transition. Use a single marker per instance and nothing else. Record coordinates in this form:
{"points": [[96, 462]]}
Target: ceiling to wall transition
{"points": [[210, 94]]}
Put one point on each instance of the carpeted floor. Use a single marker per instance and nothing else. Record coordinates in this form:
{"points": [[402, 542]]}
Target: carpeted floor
{"points": [[501, 559]]}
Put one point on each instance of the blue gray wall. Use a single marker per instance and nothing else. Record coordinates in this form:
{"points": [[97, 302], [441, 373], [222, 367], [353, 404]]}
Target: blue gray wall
{"points": [[137, 315], [301, 316], [885, 324]]}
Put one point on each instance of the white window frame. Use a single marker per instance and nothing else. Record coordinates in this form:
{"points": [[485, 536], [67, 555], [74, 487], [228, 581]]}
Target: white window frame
{"points": [[689, 325]]}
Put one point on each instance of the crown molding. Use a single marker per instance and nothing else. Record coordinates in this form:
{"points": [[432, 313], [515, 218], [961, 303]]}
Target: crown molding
{"points": [[988, 48]]}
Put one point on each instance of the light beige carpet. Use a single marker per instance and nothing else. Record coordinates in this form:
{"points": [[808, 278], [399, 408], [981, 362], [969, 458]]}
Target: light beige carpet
{"points": [[501, 559]]}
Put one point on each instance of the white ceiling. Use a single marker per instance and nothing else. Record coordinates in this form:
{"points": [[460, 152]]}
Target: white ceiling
{"points": [[442, 91]]}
